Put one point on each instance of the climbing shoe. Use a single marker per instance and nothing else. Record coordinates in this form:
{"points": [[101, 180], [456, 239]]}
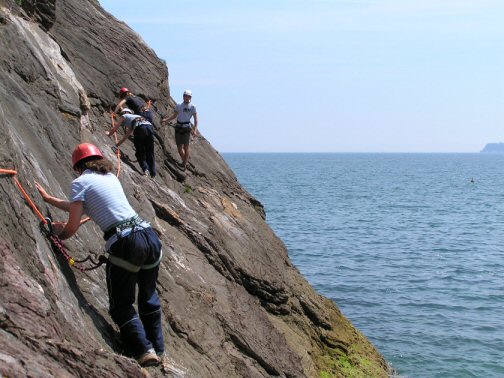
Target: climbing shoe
{"points": [[149, 358]]}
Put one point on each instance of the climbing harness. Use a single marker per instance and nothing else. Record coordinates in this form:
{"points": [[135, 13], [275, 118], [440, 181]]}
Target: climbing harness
{"points": [[182, 129], [118, 227], [47, 230]]}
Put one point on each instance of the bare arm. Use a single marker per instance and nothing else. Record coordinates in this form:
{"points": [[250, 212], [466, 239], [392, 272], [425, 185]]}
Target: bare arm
{"points": [[116, 127], [54, 201], [73, 223], [195, 130], [170, 118], [120, 105], [129, 131]]}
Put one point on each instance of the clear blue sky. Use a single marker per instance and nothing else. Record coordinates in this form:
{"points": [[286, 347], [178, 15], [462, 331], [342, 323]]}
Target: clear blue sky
{"points": [[333, 75]]}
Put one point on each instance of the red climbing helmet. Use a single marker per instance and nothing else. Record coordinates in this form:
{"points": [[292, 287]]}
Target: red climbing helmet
{"points": [[85, 150], [122, 91]]}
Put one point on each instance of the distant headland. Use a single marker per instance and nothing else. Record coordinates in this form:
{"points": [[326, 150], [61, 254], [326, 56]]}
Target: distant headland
{"points": [[494, 148]]}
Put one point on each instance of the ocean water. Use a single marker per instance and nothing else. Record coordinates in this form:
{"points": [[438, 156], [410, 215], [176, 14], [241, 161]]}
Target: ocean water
{"points": [[410, 249]]}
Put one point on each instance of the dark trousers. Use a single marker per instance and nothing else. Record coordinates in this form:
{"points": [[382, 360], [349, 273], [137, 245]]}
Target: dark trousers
{"points": [[138, 333], [144, 146], [147, 114]]}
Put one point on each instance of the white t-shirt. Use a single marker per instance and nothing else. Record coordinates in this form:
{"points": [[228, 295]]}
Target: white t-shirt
{"points": [[185, 112], [103, 198], [104, 201], [129, 120]]}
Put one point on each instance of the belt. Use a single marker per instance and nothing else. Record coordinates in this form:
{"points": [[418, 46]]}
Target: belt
{"points": [[182, 130], [118, 227], [183, 123]]}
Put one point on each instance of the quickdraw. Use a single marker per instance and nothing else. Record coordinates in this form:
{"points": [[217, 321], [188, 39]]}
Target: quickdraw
{"points": [[47, 230], [57, 245]]}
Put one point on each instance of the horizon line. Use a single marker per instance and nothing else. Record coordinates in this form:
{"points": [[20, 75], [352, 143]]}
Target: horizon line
{"points": [[356, 152]]}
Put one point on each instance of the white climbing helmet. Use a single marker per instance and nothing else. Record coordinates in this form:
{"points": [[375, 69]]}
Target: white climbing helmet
{"points": [[126, 110], [187, 92]]}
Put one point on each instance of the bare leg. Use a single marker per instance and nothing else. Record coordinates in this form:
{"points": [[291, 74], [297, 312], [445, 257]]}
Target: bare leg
{"points": [[181, 152], [186, 156]]}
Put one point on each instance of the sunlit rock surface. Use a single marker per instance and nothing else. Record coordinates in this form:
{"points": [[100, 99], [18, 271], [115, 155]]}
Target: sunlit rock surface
{"points": [[234, 305]]}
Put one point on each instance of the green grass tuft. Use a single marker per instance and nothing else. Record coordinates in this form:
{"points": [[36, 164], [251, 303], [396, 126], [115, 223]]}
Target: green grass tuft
{"points": [[335, 363]]}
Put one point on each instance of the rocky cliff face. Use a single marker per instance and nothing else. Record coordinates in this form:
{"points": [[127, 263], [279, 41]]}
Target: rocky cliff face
{"points": [[234, 305]]}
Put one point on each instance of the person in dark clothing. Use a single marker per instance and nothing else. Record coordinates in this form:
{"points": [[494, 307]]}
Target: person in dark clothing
{"points": [[134, 251], [135, 103], [143, 138]]}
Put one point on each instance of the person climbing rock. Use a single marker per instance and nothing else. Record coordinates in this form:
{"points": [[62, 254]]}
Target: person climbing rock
{"points": [[135, 103], [133, 246], [143, 139], [183, 130]]}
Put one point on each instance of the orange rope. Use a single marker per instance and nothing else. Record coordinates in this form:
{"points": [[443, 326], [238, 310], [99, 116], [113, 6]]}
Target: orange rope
{"points": [[8, 171], [30, 202], [28, 199], [55, 241], [33, 206], [112, 115]]}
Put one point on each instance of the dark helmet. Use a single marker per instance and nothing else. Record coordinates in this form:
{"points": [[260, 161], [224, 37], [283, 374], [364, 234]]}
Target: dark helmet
{"points": [[85, 150]]}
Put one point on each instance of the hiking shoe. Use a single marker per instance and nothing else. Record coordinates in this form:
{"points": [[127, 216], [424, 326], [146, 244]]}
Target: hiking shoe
{"points": [[146, 173], [149, 358]]}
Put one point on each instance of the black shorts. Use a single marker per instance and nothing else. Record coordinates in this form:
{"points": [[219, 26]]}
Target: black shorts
{"points": [[182, 135]]}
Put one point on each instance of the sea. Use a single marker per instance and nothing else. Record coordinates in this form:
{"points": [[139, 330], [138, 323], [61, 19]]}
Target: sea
{"points": [[409, 246]]}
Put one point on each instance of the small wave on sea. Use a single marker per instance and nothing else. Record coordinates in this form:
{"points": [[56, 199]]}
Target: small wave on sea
{"points": [[408, 248]]}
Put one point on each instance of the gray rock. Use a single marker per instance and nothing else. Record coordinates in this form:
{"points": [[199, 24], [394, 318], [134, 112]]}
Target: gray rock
{"points": [[234, 305]]}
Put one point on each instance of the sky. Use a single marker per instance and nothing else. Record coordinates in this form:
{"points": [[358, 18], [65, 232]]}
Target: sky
{"points": [[333, 75]]}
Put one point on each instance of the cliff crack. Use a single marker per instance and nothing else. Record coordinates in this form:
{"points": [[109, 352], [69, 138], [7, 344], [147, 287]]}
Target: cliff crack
{"points": [[244, 348]]}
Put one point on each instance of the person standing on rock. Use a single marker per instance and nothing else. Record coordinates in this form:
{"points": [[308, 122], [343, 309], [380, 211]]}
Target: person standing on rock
{"points": [[183, 130], [135, 103], [133, 246], [143, 138]]}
